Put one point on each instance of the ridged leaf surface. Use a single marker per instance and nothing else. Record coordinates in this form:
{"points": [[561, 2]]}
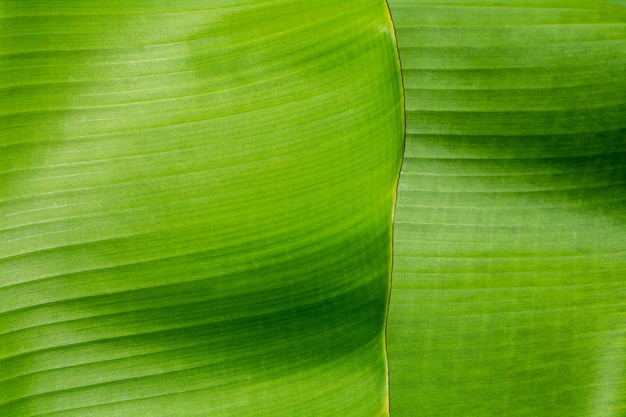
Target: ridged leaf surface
{"points": [[195, 207], [509, 280]]}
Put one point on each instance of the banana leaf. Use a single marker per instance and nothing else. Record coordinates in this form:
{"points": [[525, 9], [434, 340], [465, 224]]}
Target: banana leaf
{"points": [[196, 207], [509, 278]]}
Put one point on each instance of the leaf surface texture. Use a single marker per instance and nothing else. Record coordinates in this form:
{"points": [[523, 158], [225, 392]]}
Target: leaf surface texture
{"points": [[195, 205], [509, 276]]}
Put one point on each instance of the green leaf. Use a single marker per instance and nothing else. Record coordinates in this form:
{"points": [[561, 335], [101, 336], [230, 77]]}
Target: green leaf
{"points": [[509, 279], [196, 204]]}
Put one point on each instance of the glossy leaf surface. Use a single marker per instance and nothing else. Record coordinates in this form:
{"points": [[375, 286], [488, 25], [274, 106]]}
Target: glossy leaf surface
{"points": [[195, 205], [509, 281]]}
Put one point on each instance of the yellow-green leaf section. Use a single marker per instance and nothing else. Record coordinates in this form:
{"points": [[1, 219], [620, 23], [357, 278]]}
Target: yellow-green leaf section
{"points": [[509, 282], [195, 207]]}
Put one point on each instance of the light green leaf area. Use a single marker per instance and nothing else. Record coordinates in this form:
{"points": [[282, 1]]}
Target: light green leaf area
{"points": [[509, 282], [195, 203]]}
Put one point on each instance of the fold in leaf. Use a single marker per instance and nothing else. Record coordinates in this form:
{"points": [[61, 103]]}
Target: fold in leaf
{"points": [[196, 204], [509, 277]]}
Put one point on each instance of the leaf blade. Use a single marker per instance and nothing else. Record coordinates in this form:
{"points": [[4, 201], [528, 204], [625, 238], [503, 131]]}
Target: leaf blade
{"points": [[508, 281], [198, 218]]}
